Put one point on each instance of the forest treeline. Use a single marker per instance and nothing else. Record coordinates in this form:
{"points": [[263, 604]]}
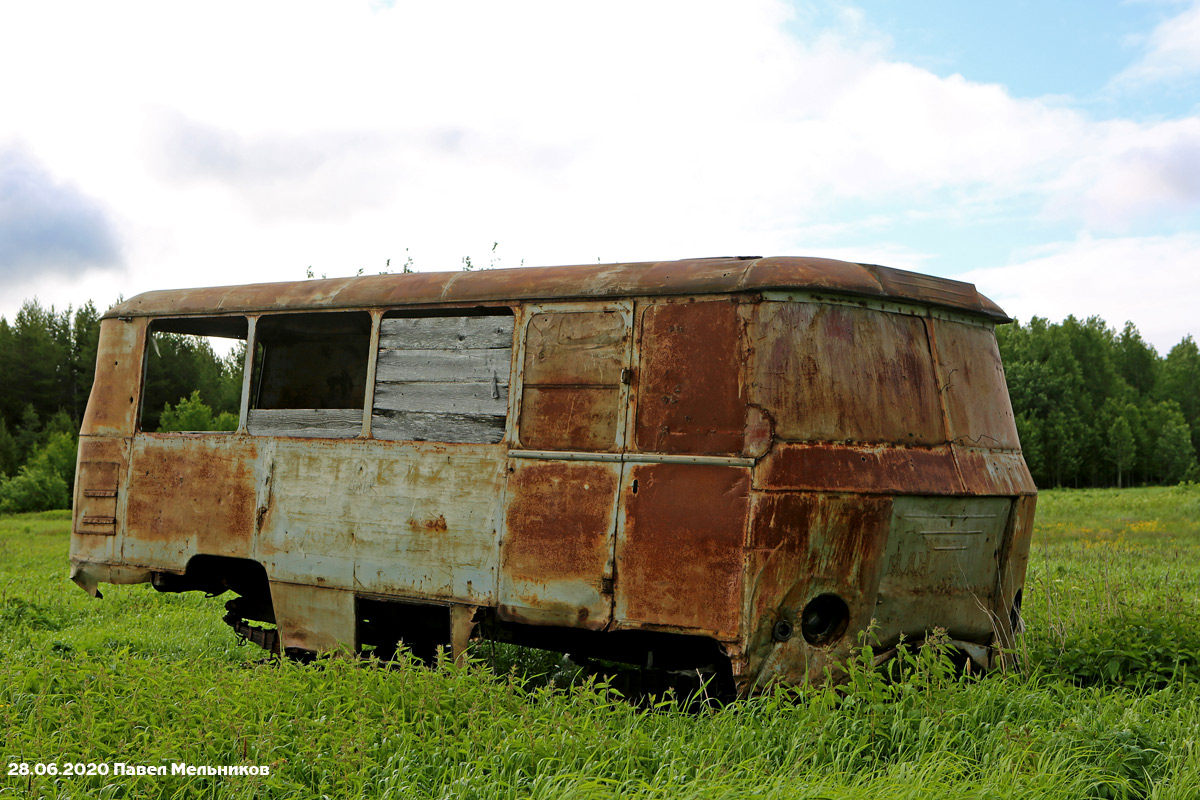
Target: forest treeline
{"points": [[1099, 408], [48, 360], [1094, 407]]}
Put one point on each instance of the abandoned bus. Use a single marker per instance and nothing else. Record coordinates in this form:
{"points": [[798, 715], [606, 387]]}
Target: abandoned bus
{"points": [[744, 465]]}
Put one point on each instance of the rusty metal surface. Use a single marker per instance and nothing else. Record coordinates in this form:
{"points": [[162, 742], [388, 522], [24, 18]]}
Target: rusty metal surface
{"points": [[189, 494], [679, 549], [691, 391], [859, 468], [879, 465], [803, 545], [578, 348], [876, 469], [993, 472], [556, 554], [842, 373], [694, 276], [572, 388], [940, 567], [313, 618], [113, 403], [106, 451], [399, 519], [96, 497], [394, 519], [972, 385], [1014, 560], [570, 418]]}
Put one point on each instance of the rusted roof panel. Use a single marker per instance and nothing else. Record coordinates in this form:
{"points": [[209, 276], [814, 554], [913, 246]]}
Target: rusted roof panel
{"points": [[692, 276]]}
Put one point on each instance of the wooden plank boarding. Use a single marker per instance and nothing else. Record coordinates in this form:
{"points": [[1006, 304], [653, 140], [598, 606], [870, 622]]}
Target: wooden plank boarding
{"points": [[443, 398], [443, 366], [446, 333], [442, 379], [416, 426], [319, 423]]}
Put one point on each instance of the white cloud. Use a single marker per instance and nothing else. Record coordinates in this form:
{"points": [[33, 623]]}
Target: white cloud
{"points": [[1172, 52], [1152, 281], [234, 142]]}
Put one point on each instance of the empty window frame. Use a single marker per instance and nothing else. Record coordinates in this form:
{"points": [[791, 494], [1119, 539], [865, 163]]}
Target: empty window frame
{"points": [[310, 374], [193, 374], [443, 377]]}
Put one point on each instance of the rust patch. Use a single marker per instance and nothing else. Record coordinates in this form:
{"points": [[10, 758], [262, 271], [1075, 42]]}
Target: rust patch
{"points": [[1015, 558], [971, 379], [679, 556], [98, 484], [557, 543], [570, 417], [760, 433], [575, 348], [691, 397], [190, 494], [803, 545], [844, 374], [312, 618], [572, 380], [113, 403], [436, 525], [693, 276], [868, 469], [993, 472]]}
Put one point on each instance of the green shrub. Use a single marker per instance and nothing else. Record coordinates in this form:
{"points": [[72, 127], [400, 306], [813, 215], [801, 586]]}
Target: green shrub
{"points": [[192, 414], [36, 487]]}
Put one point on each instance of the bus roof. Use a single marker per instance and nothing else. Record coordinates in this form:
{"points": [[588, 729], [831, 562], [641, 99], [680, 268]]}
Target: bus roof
{"points": [[650, 278]]}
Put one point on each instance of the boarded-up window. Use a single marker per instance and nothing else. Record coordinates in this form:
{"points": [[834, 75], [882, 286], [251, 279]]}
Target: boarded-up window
{"points": [[443, 378], [571, 398], [310, 375]]}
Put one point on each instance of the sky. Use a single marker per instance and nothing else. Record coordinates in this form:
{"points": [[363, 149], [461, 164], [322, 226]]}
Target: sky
{"points": [[1049, 153]]}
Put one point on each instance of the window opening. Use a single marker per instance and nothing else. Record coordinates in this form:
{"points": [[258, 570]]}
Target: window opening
{"points": [[443, 377], [310, 374], [193, 374]]}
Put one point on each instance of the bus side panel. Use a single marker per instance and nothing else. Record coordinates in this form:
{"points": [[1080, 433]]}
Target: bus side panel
{"points": [[100, 479], [414, 520], [971, 380], [189, 494], [691, 395], [680, 543], [557, 550]]}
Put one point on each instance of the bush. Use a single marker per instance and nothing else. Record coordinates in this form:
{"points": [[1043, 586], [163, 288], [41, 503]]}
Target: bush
{"points": [[192, 414], [36, 487]]}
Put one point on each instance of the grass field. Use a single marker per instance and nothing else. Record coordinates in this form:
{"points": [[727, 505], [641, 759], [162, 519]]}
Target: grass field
{"points": [[1105, 702]]}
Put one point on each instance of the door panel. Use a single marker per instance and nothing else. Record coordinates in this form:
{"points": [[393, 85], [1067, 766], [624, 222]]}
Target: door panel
{"points": [[679, 551], [560, 516], [556, 565]]}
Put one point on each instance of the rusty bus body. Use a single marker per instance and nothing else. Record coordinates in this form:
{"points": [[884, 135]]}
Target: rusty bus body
{"points": [[742, 463]]}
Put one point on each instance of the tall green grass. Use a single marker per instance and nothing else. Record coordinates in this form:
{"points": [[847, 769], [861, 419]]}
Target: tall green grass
{"points": [[152, 679]]}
